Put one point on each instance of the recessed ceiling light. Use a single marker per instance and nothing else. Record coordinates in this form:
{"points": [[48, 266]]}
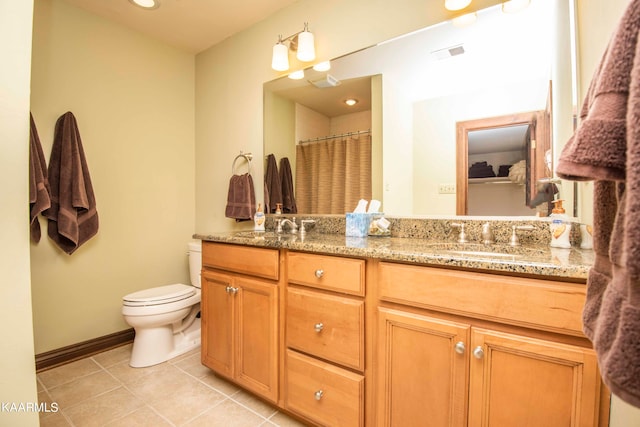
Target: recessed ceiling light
{"points": [[351, 102], [146, 4]]}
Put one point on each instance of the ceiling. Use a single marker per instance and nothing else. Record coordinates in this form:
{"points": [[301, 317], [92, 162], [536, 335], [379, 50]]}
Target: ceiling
{"points": [[191, 25]]}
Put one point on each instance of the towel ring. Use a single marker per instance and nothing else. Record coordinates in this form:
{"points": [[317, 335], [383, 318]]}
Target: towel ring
{"points": [[247, 157]]}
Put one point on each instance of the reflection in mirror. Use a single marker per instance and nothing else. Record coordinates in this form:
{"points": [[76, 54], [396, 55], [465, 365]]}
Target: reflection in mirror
{"points": [[419, 87]]}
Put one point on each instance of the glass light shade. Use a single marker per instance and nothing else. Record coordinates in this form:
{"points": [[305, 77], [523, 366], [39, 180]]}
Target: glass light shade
{"points": [[322, 66], [465, 20], [146, 4], [306, 48], [297, 75], [514, 6], [280, 58], [456, 4]]}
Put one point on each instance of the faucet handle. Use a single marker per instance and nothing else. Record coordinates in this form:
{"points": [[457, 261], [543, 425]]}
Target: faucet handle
{"points": [[303, 222], [513, 241], [487, 234], [462, 237]]}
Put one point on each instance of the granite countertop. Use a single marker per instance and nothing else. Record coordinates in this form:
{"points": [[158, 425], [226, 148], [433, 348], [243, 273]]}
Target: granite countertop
{"points": [[528, 259]]}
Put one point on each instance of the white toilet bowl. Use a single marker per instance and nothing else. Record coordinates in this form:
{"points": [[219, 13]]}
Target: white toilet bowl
{"points": [[165, 318]]}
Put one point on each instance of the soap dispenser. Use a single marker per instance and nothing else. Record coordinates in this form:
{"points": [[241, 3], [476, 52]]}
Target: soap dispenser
{"points": [[259, 219], [560, 226]]}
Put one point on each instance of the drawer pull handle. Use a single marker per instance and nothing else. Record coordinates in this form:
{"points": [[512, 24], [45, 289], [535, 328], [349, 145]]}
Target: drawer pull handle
{"points": [[318, 394], [318, 327], [319, 273], [231, 290], [478, 352], [460, 347]]}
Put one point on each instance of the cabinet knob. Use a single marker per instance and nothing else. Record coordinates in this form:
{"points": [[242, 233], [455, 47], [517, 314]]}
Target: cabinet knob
{"points": [[478, 352], [460, 347], [318, 327], [231, 290], [319, 273], [318, 394], [228, 289]]}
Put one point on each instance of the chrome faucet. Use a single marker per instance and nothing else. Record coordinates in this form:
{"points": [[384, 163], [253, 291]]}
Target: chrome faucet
{"points": [[290, 222], [487, 234], [514, 241], [303, 230]]}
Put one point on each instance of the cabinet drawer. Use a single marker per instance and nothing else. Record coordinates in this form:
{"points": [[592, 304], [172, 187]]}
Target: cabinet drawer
{"points": [[259, 262], [327, 326], [324, 393], [542, 304], [327, 272]]}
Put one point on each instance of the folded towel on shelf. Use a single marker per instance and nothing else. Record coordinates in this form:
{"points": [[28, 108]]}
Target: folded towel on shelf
{"points": [[241, 199], [286, 178], [39, 190], [503, 170], [481, 170], [606, 148], [73, 217], [272, 185]]}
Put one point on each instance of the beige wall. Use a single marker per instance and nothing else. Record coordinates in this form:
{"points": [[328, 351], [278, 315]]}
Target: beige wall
{"points": [[133, 98], [17, 368]]}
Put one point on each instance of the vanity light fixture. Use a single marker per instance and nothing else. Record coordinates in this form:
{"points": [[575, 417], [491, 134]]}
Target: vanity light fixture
{"points": [[301, 42], [146, 4], [351, 102], [456, 4], [513, 6]]}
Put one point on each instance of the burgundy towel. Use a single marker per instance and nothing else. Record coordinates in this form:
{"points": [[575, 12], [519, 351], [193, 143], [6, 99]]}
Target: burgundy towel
{"points": [[272, 185], [288, 198], [606, 148], [241, 199], [73, 218], [39, 190]]}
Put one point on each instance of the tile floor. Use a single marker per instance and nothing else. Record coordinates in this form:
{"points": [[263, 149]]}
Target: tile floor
{"points": [[103, 390]]}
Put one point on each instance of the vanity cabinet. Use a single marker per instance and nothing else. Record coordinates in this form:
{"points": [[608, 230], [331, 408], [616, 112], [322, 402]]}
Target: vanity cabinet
{"points": [[325, 345], [472, 349], [240, 315]]}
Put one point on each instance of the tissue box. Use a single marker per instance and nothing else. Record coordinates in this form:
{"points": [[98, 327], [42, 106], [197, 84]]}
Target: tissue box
{"points": [[358, 224]]}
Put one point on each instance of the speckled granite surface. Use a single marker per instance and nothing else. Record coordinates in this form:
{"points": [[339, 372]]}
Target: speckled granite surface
{"points": [[431, 242]]}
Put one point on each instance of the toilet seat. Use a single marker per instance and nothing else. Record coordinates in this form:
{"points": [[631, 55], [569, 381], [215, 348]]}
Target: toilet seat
{"points": [[159, 295]]}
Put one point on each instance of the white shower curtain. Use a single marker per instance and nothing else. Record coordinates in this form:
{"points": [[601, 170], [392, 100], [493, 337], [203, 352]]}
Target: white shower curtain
{"points": [[332, 175]]}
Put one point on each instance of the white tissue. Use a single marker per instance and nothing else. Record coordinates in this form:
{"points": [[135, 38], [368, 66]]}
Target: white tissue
{"points": [[374, 206], [362, 207], [383, 224]]}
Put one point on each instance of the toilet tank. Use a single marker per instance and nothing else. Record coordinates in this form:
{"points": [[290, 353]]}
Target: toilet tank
{"points": [[195, 262]]}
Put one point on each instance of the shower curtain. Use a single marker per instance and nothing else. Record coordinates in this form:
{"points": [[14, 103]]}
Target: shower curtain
{"points": [[332, 175]]}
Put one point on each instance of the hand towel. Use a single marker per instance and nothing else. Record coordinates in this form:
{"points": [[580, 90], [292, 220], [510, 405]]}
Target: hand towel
{"points": [[606, 148], [286, 178], [272, 185], [241, 199], [39, 190], [73, 217]]}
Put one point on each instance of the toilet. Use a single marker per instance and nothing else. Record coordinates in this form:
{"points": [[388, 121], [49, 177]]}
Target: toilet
{"points": [[165, 318]]}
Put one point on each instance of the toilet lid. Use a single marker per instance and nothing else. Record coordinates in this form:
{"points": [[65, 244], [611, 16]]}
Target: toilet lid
{"points": [[159, 295]]}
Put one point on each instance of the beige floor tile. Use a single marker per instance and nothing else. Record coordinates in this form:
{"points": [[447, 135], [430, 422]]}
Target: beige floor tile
{"points": [[66, 373], [72, 393], [125, 373], [284, 420], [162, 383], [187, 403], [143, 417], [103, 408], [254, 403], [114, 356], [193, 366], [220, 384], [53, 420], [228, 413]]}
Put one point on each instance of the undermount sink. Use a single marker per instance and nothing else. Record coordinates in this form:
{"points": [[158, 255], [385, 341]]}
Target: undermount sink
{"points": [[477, 250]]}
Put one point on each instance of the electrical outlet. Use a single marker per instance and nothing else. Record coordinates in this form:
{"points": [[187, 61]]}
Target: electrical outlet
{"points": [[446, 188]]}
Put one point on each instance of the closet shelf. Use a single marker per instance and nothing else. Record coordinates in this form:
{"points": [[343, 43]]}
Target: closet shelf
{"points": [[492, 180]]}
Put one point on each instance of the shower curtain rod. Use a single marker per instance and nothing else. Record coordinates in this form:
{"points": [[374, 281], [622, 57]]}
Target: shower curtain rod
{"points": [[342, 135]]}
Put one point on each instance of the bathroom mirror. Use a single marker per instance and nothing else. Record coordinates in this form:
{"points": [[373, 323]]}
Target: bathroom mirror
{"points": [[419, 86]]}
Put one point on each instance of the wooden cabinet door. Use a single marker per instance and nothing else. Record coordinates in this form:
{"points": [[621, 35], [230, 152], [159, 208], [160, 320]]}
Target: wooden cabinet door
{"points": [[257, 336], [526, 382], [217, 314], [422, 379]]}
